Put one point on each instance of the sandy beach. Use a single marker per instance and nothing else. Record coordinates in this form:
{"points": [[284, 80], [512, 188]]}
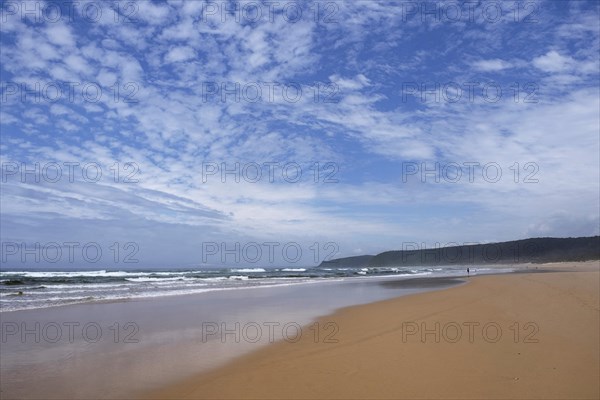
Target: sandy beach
{"points": [[527, 335]]}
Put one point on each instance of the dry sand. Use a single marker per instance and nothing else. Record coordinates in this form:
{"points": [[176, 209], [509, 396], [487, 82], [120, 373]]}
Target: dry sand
{"points": [[381, 353]]}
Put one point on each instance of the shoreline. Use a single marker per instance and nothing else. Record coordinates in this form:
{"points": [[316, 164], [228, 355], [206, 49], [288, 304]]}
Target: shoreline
{"points": [[365, 278], [548, 346], [354, 279]]}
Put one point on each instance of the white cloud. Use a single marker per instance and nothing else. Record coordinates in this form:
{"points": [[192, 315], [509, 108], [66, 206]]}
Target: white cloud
{"points": [[59, 73], [77, 64], [180, 54], [149, 12], [106, 78], [60, 34], [554, 62], [358, 82], [493, 65]]}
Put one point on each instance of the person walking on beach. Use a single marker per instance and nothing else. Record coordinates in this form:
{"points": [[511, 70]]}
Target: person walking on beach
{"points": [[468, 273]]}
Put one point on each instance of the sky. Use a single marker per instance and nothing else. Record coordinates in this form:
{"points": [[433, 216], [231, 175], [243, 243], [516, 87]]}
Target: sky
{"points": [[185, 134]]}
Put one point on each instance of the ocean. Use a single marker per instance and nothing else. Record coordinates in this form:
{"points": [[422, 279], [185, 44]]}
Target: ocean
{"points": [[33, 289]]}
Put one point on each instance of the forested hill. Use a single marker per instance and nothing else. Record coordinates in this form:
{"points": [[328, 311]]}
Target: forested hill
{"points": [[534, 250]]}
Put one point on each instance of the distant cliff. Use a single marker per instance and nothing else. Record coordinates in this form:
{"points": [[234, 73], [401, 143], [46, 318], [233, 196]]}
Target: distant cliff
{"points": [[535, 250]]}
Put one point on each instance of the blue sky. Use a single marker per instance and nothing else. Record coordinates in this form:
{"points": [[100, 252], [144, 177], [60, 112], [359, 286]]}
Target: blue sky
{"points": [[428, 122]]}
